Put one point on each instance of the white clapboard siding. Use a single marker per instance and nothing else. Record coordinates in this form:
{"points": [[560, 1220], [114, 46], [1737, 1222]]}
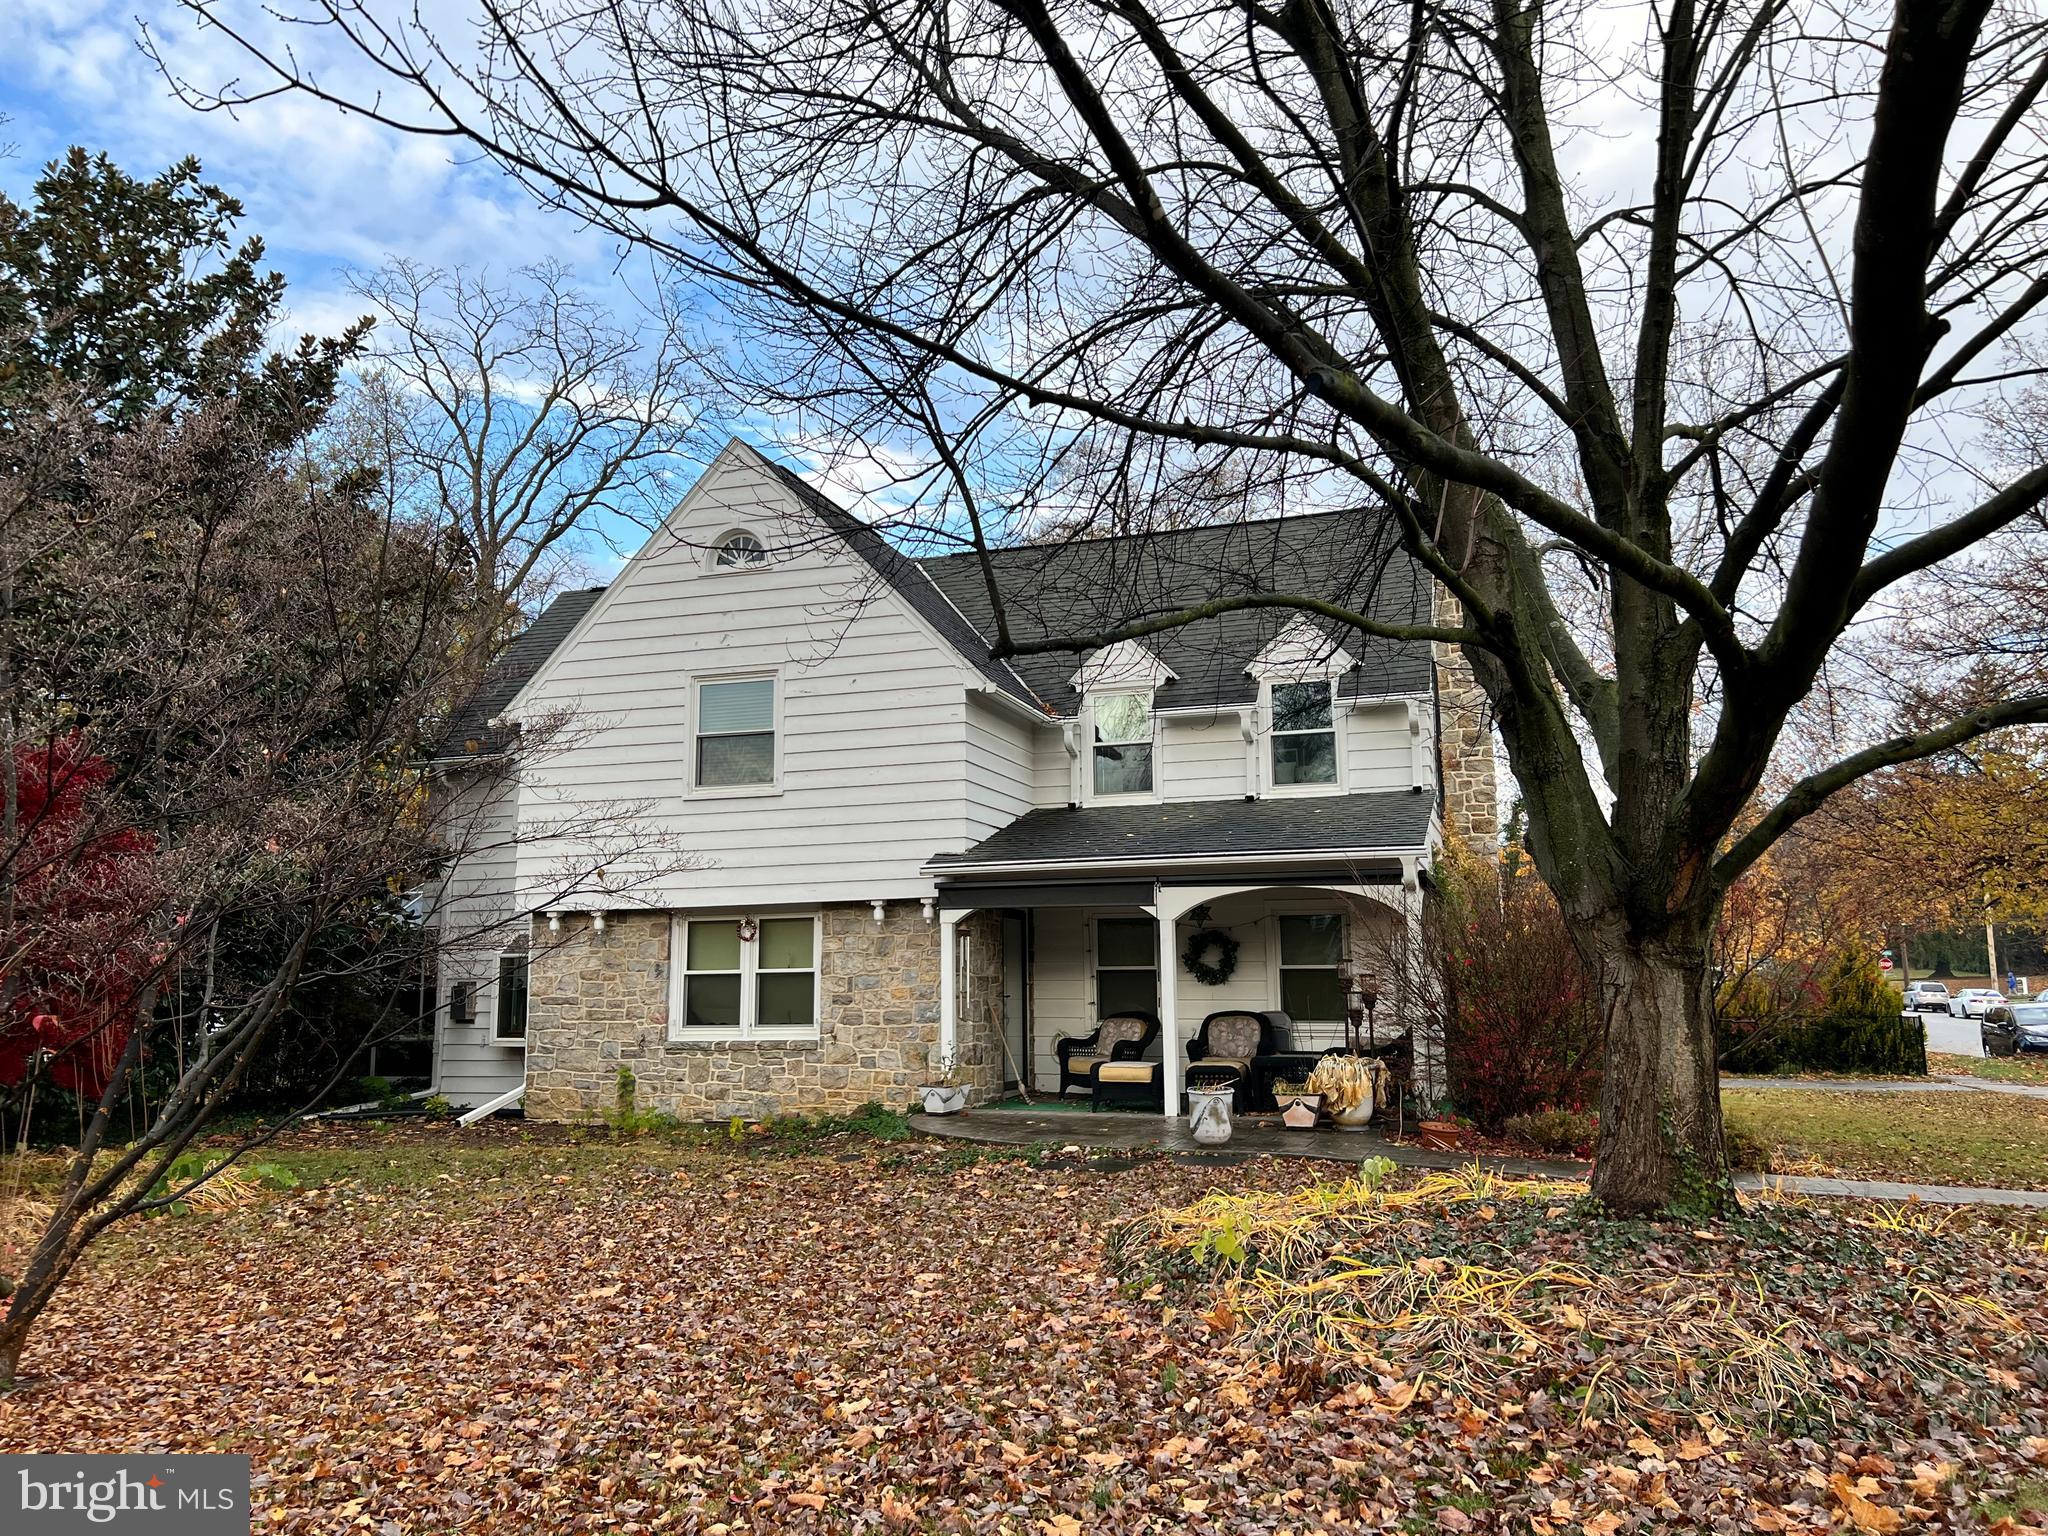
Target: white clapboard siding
{"points": [[473, 913], [999, 766], [874, 726], [1201, 757]]}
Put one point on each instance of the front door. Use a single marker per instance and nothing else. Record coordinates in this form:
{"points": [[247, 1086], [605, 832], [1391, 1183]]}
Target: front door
{"points": [[1014, 1040]]}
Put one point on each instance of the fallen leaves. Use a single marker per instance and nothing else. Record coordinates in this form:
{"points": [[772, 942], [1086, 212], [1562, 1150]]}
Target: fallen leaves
{"points": [[726, 1344]]}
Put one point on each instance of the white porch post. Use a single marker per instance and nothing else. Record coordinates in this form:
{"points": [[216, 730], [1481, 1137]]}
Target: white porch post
{"points": [[949, 990], [1169, 1014]]}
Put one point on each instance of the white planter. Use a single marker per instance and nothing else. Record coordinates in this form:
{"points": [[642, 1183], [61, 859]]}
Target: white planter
{"points": [[1209, 1115], [944, 1098], [1356, 1118]]}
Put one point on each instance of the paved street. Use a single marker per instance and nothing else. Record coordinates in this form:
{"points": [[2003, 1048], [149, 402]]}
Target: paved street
{"points": [[1956, 1037]]}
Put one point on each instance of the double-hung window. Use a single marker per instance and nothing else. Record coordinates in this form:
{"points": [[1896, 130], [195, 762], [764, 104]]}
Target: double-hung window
{"points": [[1126, 965], [508, 1025], [1311, 947], [1123, 743], [735, 733], [741, 980], [1304, 733]]}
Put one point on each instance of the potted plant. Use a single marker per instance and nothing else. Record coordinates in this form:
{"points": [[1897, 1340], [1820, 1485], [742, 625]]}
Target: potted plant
{"points": [[945, 1094], [1299, 1109], [1349, 1086]]}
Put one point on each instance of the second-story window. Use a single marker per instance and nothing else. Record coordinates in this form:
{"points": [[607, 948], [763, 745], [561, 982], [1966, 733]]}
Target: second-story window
{"points": [[1304, 734], [1123, 744], [736, 733]]}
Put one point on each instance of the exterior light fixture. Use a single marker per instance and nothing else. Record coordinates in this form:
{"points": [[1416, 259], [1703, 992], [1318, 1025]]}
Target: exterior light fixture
{"points": [[878, 905]]}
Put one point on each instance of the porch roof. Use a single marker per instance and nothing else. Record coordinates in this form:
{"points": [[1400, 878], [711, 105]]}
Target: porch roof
{"points": [[1381, 824]]}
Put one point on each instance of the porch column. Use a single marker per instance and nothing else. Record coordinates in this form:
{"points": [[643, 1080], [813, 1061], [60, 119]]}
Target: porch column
{"points": [[1169, 1013], [949, 990]]}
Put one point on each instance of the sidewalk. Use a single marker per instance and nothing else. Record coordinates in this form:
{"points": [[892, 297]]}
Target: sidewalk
{"points": [[1138, 1133], [1890, 1085]]}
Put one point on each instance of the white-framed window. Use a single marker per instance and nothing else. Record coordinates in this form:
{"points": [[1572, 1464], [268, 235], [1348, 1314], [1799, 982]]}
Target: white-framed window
{"points": [[1121, 748], [738, 550], [1126, 965], [508, 1015], [1303, 738], [1311, 949], [735, 741], [739, 978]]}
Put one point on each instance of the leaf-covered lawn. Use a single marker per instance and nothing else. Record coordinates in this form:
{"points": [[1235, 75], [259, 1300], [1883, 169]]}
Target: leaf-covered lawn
{"points": [[1982, 1139], [1997, 1069], [486, 1333]]}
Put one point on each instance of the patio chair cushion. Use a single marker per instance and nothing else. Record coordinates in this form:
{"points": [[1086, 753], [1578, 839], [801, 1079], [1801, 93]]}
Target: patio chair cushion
{"points": [[1126, 1071], [1241, 1065], [1079, 1065], [1116, 1030], [1234, 1037]]}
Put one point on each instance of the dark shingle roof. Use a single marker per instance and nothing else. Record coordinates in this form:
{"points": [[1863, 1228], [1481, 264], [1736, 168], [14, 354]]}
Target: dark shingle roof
{"points": [[1390, 819], [905, 576], [1095, 586], [511, 672], [1352, 559]]}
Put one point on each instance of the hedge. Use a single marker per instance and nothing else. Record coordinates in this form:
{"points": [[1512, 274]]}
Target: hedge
{"points": [[1894, 1046]]}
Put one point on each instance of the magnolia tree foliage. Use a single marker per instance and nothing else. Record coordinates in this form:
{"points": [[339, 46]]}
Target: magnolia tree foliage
{"points": [[1653, 332]]}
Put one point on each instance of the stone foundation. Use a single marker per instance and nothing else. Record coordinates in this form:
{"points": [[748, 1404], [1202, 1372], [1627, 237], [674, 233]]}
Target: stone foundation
{"points": [[599, 1002]]}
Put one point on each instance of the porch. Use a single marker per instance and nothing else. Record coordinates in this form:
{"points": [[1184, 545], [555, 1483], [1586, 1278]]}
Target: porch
{"points": [[1024, 965]]}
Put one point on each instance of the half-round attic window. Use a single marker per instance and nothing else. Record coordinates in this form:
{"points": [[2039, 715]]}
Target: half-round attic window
{"points": [[739, 549]]}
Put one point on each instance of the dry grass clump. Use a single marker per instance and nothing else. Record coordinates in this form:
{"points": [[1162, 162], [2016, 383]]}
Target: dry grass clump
{"points": [[1486, 1285]]}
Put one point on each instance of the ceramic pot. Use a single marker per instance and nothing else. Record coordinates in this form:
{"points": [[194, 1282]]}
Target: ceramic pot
{"points": [[1299, 1111], [1209, 1115], [1356, 1118], [944, 1098]]}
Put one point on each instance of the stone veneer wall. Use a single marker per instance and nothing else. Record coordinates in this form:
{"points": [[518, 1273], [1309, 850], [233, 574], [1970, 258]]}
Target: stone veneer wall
{"points": [[1465, 722], [599, 1001]]}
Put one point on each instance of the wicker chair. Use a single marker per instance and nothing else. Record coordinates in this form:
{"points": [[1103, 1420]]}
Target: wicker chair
{"points": [[1231, 1040], [1120, 1037]]}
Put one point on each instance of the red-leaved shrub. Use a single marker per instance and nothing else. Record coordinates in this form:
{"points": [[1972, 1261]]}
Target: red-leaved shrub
{"points": [[1522, 1022], [78, 941]]}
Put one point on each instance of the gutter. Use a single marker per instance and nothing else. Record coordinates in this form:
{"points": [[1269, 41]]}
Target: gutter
{"points": [[1222, 856], [490, 1107]]}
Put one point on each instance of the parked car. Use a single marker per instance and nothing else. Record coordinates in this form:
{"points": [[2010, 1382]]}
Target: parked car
{"points": [[1923, 995], [2015, 1027], [1971, 1002]]}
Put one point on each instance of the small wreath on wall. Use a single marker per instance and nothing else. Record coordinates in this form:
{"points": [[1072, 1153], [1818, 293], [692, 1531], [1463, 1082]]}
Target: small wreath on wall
{"points": [[1210, 973]]}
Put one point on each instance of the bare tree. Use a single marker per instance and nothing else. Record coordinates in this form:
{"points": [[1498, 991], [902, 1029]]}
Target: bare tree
{"points": [[1665, 425], [223, 670], [527, 418]]}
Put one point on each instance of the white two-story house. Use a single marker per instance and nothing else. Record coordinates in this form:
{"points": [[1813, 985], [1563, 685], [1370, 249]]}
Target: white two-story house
{"points": [[898, 852]]}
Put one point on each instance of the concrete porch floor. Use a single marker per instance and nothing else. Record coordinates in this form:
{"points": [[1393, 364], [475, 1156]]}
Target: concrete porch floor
{"points": [[1143, 1131]]}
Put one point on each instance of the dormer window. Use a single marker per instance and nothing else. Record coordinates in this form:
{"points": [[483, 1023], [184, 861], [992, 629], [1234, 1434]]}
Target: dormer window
{"points": [[1304, 733], [738, 550], [1122, 748]]}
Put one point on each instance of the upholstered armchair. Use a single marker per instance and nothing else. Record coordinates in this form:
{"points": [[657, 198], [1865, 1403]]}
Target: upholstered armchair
{"points": [[1232, 1038], [1120, 1037]]}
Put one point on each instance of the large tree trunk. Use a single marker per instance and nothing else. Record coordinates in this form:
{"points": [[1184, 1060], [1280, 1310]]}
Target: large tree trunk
{"points": [[1660, 1148]]}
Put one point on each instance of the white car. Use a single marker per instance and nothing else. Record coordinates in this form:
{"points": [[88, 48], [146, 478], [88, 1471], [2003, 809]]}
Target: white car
{"points": [[1971, 1002], [1927, 995]]}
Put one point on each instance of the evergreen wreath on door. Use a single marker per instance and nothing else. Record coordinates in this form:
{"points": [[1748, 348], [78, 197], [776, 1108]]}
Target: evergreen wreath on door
{"points": [[1195, 958]]}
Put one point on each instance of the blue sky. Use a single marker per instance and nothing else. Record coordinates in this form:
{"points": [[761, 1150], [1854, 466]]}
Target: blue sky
{"points": [[324, 191]]}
